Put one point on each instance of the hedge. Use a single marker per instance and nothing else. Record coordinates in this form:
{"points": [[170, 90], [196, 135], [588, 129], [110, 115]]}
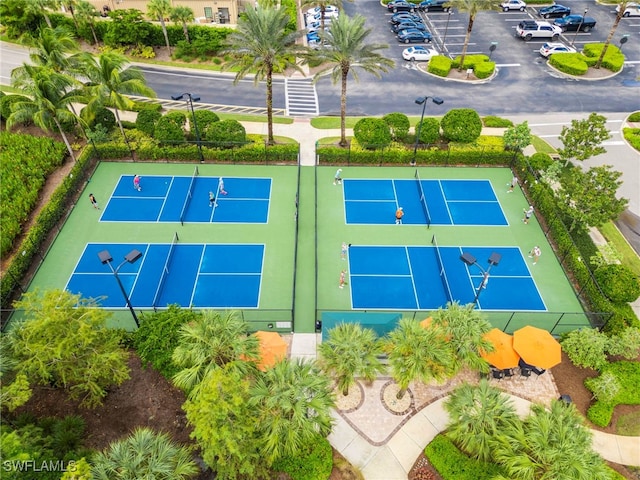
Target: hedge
{"points": [[451, 463]]}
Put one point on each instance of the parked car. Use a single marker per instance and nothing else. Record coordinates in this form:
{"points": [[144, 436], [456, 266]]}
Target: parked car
{"points": [[574, 23], [632, 10], [413, 35], [419, 53], [405, 17], [528, 29], [550, 48], [316, 19], [434, 6], [329, 10], [407, 25], [513, 5], [401, 6], [315, 26], [554, 11]]}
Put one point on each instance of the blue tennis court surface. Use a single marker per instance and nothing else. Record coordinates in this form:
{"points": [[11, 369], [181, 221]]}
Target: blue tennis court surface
{"points": [[196, 275], [435, 202], [426, 278], [186, 199]]}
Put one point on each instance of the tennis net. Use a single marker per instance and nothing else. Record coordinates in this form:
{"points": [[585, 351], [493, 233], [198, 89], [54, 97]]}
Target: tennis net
{"points": [[423, 200], [165, 269], [187, 200], [443, 273]]}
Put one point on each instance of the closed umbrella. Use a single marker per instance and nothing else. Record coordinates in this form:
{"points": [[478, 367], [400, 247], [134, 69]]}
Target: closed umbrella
{"points": [[537, 347], [272, 349], [504, 356]]}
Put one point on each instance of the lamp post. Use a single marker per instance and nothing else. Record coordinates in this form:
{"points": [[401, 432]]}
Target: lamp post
{"points": [[492, 49], [469, 259], [422, 101], [131, 257], [586, 10], [190, 99], [446, 28], [623, 40]]}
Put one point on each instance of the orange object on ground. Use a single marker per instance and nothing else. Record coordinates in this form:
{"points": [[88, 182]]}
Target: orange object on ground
{"points": [[537, 347], [504, 355], [272, 349]]}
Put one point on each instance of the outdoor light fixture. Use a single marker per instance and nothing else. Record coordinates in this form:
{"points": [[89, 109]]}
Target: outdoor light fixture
{"points": [[586, 10], [469, 259], [190, 99], [446, 28], [423, 101], [132, 257]]}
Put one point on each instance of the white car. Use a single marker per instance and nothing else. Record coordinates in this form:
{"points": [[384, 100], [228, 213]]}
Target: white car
{"points": [[513, 5], [419, 53], [329, 10], [632, 10], [550, 48]]}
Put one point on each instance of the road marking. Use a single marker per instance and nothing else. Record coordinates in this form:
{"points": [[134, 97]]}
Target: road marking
{"points": [[301, 98], [508, 65]]}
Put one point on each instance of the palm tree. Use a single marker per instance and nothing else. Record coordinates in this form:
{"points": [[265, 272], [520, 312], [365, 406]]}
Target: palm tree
{"points": [[346, 49], [182, 15], [476, 415], [110, 78], [52, 49], [622, 6], [144, 454], [261, 45], [87, 14], [210, 342], [293, 403], [71, 5], [41, 7], [349, 352], [472, 7], [46, 101], [161, 9], [464, 327], [323, 4], [417, 353]]}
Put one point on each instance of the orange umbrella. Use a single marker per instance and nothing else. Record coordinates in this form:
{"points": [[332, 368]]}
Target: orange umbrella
{"points": [[537, 347], [504, 355], [272, 349]]}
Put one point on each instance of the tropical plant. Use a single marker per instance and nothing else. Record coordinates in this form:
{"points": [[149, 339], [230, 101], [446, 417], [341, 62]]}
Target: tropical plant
{"points": [[351, 351], [86, 14], [586, 348], [626, 344], [54, 49], [209, 342], [66, 343], [70, 6], [144, 454], [17, 392], [417, 353], [604, 387], [182, 15], [477, 414], [18, 17], [622, 6], [347, 49], [292, 403], [159, 10], [472, 7], [260, 45], [517, 137], [41, 7]]}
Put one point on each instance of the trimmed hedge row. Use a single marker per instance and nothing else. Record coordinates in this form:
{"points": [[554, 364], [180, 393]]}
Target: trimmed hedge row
{"points": [[578, 63], [452, 463]]}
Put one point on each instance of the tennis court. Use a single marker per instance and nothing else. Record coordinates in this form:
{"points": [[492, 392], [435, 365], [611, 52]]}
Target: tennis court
{"points": [[185, 199], [424, 201]]}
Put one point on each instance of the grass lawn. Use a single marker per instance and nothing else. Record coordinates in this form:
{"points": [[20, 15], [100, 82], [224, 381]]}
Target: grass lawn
{"points": [[629, 256], [541, 146], [629, 425]]}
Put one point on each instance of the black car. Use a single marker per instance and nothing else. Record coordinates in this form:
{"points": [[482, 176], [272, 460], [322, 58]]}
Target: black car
{"points": [[554, 11], [413, 35], [405, 17], [434, 6], [406, 25], [401, 6], [574, 23]]}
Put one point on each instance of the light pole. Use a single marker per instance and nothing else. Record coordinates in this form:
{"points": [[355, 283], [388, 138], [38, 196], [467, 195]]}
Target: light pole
{"points": [[623, 40], [131, 257], [469, 259], [190, 99], [423, 101], [586, 10], [492, 49], [446, 28]]}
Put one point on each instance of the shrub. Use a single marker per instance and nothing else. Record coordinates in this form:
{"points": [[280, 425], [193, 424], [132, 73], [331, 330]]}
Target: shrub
{"points": [[632, 135], [540, 161], [170, 128], [314, 462], [372, 133], [626, 344], [147, 119], [226, 131], [452, 463], [204, 118], [491, 121], [634, 117], [627, 374], [103, 116], [613, 58], [484, 69], [618, 283], [439, 65], [6, 103], [429, 131], [571, 63], [398, 125], [461, 125]]}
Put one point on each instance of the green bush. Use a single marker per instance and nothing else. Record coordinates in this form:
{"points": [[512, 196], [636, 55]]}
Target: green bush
{"points": [[627, 375], [484, 69], [632, 135], [451, 463], [600, 413], [314, 462], [470, 61], [398, 125], [540, 161], [613, 58], [634, 117], [491, 121], [170, 128], [204, 118], [226, 131], [570, 63], [586, 348], [429, 131], [461, 125], [103, 116], [372, 133], [618, 283], [439, 65], [147, 119], [6, 103]]}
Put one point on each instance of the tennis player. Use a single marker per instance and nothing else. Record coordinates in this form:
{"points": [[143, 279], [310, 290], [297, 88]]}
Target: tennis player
{"points": [[221, 187], [399, 215]]}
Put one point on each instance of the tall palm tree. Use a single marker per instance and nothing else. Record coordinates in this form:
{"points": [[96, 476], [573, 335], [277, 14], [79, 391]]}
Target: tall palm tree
{"points": [[159, 10], [348, 49], [476, 415], [417, 353], [210, 342], [42, 7], [53, 48], [261, 45], [472, 7], [70, 6], [622, 6], [293, 403], [111, 77], [46, 101], [144, 454], [87, 15], [182, 15], [351, 351], [464, 327]]}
